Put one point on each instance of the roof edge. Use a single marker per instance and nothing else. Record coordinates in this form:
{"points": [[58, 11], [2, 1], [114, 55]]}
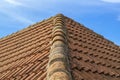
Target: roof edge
{"points": [[58, 65], [92, 31], [27, 28]]}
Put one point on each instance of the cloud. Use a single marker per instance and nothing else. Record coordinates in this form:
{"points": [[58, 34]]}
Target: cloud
{"points": [[14, 2], [10, 8], [111, 1]]}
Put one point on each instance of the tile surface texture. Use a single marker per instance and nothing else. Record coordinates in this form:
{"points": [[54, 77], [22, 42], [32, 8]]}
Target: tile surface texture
{"points": [[58, 48]]}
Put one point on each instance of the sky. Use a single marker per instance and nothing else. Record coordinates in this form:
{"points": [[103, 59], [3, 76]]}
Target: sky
{"points": [[101, 16]]}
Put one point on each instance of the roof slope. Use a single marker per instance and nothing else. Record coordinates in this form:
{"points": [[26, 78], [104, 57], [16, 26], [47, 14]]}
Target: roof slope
{"points": [[58, 48], [92, 57], [24, 55]]}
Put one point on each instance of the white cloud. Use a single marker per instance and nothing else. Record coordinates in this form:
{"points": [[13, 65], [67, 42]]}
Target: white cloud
{"points": [[10, 11], [111, 1], [14, 2]]}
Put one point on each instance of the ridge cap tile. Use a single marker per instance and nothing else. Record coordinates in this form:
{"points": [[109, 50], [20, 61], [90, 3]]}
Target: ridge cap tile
{"points": [[57, 67]]}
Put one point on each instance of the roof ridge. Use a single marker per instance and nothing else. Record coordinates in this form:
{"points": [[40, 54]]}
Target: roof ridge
{"points": [[58, 65]]}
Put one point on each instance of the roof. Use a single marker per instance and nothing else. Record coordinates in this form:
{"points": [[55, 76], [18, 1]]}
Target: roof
{"points": [[58, 48]]}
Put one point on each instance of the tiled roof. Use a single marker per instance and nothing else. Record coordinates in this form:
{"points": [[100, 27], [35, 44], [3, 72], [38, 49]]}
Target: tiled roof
{"points": [[58, 49]]}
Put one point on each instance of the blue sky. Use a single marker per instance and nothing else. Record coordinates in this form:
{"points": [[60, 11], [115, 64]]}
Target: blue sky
{"points": [[102, 16]]}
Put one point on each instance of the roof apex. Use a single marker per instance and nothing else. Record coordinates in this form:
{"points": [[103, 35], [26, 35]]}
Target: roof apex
{"points": [[59, 14]]}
